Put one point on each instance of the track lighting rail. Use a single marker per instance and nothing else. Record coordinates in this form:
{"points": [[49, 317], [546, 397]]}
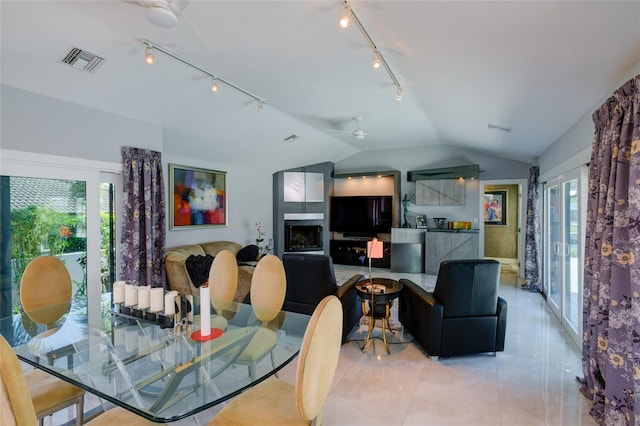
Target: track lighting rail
{"points": [[151, 45], [376, 51]]}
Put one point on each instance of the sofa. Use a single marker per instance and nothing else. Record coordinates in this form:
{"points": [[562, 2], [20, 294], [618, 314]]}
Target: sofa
{"points": [[310, 278], [178, 278], [463, 315]]}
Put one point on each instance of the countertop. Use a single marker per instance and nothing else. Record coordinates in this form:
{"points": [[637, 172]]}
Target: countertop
{"points": [[472, 231]]}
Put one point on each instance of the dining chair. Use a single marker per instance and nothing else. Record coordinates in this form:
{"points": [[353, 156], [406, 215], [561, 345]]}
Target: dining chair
{"points": [[45, 294], [223, 283], [275, 402], [268, 288], [17, 405]]}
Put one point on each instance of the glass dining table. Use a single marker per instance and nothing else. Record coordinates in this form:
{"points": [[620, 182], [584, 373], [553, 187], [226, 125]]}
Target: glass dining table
{"points": [[160, 373]]}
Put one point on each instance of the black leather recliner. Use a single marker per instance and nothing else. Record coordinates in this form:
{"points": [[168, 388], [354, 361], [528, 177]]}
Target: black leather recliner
{"points": [[310, 278], [463, 315]]}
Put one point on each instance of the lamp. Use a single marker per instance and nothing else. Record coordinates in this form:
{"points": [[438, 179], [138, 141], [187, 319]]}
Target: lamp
{"points": [[346, 18], [214, 86], [399, 94], [376, 59], [374, 251], [148, 56]]}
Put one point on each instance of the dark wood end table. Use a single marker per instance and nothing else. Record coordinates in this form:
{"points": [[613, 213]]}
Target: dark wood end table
{"points": [[380, 292]]}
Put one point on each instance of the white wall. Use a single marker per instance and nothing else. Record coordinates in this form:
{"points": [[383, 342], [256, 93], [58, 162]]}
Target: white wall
{"points": [[574, 147], [372, 185], [39, 124]]}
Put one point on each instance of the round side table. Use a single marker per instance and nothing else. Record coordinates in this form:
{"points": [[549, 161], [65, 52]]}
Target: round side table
{"points": [[380, 293]]}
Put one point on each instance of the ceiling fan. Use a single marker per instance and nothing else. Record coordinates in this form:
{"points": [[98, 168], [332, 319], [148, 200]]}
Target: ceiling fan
{"points": [[358, 134], [163, 13]]}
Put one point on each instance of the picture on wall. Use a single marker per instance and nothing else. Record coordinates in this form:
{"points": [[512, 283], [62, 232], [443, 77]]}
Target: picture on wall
{"points": [[198, 197], [495, 207]]}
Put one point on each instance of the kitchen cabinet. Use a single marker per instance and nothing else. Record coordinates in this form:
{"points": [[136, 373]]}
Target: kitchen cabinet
{"points": [[449, 245], [303, 187], [443, 192]]}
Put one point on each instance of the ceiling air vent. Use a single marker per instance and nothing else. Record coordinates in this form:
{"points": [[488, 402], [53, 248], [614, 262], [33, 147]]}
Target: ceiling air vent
{"points": [[82, 60]]}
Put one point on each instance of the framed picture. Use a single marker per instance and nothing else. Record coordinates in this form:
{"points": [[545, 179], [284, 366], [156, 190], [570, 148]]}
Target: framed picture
{"points": [[495, 207], [421, 221], [198, 197]]}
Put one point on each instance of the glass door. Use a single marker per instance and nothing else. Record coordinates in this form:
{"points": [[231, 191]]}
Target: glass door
{"points": [[564, 247], [61, 207], [553, 248]]}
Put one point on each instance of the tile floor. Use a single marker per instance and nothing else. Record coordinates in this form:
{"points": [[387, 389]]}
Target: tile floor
{"points": [[531, 383]]}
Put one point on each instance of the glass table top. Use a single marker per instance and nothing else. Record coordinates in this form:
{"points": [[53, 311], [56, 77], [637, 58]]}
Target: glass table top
{"points": [[159, 373]]}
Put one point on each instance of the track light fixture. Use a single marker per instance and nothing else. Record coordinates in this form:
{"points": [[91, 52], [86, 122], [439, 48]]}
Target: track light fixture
{"points": [[346, 18], [148, 56], [378, 59], [216, 79]]}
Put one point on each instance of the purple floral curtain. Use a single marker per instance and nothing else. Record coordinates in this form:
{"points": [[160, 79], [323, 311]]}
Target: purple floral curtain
{"points": [[532, 235], [143, 227], [611, 308]]}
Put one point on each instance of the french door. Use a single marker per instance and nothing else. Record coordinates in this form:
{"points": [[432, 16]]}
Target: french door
{"points": [[565, 213], [62, 207]]}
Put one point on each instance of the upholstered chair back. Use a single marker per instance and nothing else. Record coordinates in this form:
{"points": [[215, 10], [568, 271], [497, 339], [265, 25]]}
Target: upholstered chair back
{"points": [[318, 359], [268, 288], [223, 279], [45, 290], [310, 278], [16, 407], [468, 287]]}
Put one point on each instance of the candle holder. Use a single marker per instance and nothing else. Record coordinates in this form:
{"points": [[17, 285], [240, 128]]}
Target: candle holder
{"points": [[133, 314]]}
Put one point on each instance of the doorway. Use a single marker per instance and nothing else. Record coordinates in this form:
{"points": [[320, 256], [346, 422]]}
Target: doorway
{"points": [[501, 229]]}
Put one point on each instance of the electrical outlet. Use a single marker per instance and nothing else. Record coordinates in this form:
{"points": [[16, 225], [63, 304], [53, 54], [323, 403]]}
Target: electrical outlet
{"points": [[270, 242]]}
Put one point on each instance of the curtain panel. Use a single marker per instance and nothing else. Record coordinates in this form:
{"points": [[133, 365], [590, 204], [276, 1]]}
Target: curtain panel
{"points": [[532, 234], [143, 226], [611, 308]]}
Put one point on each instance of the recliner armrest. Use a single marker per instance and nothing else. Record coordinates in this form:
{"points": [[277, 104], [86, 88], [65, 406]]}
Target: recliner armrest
{"points": [[421, 314], [501, 312], [351, 309], [349, 284]]}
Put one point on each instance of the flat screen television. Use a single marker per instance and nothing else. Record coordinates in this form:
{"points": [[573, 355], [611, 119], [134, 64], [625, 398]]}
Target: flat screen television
{"points": [[361, 214]]}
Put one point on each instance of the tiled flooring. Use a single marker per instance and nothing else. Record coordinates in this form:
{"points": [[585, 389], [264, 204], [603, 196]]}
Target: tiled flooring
{"points": [[531, 383]]}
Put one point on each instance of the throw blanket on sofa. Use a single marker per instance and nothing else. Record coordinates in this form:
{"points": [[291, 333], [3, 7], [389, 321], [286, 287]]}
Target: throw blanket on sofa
{"points": [[198, 268]]}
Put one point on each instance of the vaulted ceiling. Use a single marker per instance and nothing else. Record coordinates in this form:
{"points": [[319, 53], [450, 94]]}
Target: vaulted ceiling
{"points": [[534, 67]]}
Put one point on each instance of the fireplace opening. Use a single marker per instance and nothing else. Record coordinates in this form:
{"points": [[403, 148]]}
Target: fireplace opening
{"points": [[303, 238]]}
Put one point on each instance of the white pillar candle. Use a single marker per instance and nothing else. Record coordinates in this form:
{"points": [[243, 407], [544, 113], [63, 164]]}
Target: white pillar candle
{"points": [[144, 296], [170, 302], [130, 295], [157, 299], [118, 292], [205, 311]]}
